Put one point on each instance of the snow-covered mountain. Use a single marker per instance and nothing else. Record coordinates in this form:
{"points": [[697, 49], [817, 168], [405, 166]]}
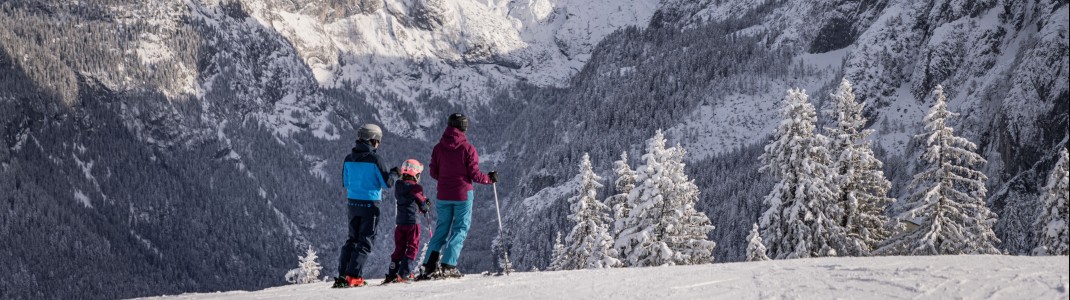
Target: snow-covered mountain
{"points": [[713, 74], [968, 277], [171, 146], [460, 51]]}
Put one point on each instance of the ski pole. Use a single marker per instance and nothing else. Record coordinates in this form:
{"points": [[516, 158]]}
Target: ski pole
{"points": [[501, 233], [427, 221]]}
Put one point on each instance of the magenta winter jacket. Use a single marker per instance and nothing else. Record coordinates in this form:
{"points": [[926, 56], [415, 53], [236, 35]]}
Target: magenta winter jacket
{"points": [[455, 164]]}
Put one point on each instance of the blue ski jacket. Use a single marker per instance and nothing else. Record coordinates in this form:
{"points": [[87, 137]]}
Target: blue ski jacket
{"points": [[364, 175]]}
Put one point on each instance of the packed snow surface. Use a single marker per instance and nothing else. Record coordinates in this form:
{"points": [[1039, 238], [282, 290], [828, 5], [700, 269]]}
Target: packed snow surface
{"points": [[940, 277]]}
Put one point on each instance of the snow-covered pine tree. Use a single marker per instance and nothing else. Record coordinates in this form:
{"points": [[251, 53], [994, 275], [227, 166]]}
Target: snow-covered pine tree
{"points": [[589, 245], [506, 266], [755, 248], [663, 228], [307, 271], [557, 259], [803, 217], [860, 182], [946, 212], [499, 248], [1052, 223], [623, 186], [689, 236], [640, 239]]}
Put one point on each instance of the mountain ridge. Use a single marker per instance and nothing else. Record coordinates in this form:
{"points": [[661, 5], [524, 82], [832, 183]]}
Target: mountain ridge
{"points": [[198, 137]]}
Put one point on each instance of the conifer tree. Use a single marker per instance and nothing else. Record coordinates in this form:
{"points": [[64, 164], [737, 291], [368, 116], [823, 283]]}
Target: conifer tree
{"points": [[689, 235], [640, 239], [1052, 223], [803, 218], [755, 248], [307, 271], [589, 245], [946, 213], [499, 247], [557, 259], [859, 176], [663, 227], [623, 186]]}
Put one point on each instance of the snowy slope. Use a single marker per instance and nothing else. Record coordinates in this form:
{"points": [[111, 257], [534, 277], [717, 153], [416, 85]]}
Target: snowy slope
{"points": [[946, 277]]}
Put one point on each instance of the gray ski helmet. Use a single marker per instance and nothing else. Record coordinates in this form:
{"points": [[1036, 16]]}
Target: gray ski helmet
{"points": [[459, 121], [370, 132]]}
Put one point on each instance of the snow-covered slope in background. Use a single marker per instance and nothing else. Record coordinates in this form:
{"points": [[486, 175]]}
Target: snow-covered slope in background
{"points": [[944, 277]]}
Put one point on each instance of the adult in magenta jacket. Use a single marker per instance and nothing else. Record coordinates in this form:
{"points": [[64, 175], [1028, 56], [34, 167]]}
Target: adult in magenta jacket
{"points": [[455, 165]]}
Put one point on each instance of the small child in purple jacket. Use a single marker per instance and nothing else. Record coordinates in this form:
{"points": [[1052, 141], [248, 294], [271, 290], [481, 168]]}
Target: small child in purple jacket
{"points": [[410, 199]]}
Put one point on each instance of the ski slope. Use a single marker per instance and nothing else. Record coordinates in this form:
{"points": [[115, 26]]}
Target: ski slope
{"points": [[944, 277]]}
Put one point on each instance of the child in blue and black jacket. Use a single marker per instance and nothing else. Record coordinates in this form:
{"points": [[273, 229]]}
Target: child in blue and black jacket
{"points": [[364, 177]]}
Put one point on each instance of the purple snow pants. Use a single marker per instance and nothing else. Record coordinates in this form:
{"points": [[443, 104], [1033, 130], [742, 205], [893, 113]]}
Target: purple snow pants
{"points": [[406, 241]]}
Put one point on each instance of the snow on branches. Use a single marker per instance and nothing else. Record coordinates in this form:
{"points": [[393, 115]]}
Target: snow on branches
{"points": [[307, 271], [755, 248], [803, 217], [558, 258], [1052, 223], [859, 176], [623, 186], [589, 245], [946, 212], [663, 226]]}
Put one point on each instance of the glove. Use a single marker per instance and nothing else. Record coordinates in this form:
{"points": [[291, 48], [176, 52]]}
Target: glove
{"points": [[395, 172], [493, 176], [424, 208]]}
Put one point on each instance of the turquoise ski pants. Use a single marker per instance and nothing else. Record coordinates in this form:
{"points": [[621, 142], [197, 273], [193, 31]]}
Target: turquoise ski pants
{"points": [[454, 218]]}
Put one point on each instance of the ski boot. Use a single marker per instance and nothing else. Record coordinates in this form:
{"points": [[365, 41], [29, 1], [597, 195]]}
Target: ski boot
{"points": [[425, 276], [450, 271], [340, 282], [392, 273], [404, 272], [354, 281], [393, 279], [430, 268]]}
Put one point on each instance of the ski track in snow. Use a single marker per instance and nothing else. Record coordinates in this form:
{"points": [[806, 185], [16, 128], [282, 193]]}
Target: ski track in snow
{"points": [[942, 277]]}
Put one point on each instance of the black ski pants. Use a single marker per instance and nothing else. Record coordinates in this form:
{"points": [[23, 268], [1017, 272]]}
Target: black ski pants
{"points": [[363, 216]]}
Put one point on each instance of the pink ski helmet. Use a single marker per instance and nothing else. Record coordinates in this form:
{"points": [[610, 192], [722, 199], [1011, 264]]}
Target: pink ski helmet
{"points": [[412, 168]]}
